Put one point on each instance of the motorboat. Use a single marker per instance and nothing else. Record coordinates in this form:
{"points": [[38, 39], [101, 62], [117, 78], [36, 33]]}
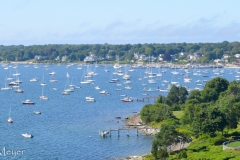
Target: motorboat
{"points": [[25, 135], [53, 80], [65, 93], [97, 88], [85, 82], [90, 99], [33, 80], [126, 99], [19, 90], [52, 73], [37, 112], [128, 87], [28, 102], [6, 88], [103, 92]]}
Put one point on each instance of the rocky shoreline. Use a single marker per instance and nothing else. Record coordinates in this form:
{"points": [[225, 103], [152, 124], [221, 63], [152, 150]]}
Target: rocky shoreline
{"points": [[136, 122]]}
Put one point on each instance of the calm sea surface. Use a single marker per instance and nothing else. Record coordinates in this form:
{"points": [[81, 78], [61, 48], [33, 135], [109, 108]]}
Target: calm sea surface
{"points": [[68, 127]]}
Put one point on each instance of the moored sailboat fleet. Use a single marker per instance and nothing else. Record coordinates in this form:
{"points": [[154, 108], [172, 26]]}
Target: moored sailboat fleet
{"points": [[122, 81]]}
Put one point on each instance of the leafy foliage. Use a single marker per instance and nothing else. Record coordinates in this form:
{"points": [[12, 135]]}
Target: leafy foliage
{"points": [[209, 51]]}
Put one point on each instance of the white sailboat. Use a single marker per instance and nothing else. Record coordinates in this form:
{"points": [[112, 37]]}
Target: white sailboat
{"points": [[42, 96], [5, 87], [43, 83], [9, 118], [18, 90]]}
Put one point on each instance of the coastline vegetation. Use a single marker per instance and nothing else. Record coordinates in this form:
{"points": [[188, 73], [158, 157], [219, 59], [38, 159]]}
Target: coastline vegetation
{"points": [[53, 53], [203, 119]]}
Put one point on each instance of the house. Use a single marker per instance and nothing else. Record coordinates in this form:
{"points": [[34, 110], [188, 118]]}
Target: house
{"points": [[64, 58], [58, 58], [237, 55], [183, 54], [195, 56], [91, 58], [39, 57], [225, 56]]}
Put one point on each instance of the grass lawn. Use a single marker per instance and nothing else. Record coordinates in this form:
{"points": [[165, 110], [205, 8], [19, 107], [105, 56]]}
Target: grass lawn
{"points": [[178, 114], [234, 144]]}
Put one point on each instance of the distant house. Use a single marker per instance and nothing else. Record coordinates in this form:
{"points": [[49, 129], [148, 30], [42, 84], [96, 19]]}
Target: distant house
{"points": [[91, 58], [64, 58], [195, 56], [39, 57], [237, 55], [160, 57], [183, 54], [225, 56], [218, 60], [58, 58]]}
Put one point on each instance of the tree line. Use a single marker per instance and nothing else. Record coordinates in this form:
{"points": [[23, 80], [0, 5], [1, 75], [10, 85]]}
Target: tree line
{"points": [[78, 52]]}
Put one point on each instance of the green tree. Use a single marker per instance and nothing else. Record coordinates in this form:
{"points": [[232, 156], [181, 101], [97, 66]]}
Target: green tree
{"points": [[173, 96]]}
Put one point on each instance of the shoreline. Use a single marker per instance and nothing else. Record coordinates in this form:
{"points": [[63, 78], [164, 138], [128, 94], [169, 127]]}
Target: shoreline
{"points": [[136, 122], [162, 65]]}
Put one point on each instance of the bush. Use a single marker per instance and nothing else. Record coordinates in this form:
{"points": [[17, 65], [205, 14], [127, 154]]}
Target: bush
{"points": [[182, 154], [218, 140]]}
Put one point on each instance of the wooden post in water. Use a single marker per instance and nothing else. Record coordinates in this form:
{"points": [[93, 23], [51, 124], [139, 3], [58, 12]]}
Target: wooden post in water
{"points": [[137, 132], [128, 133], [118, 133]]}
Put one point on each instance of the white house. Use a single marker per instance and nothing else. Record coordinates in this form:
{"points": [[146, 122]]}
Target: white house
{"points": [[91, 58], [237, 55], [64, 58]]}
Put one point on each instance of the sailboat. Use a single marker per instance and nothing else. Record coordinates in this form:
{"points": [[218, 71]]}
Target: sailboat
{"points": [[43, 83], [18, 90], [42, 96], [9, 118], [52, 78], [6, 87]]}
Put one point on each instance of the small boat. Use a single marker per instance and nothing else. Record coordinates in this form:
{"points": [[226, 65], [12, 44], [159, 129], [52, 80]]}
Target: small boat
{"points": [[6, 88], [19, 90], [43, 97], [53, 80], [103, 92], [126, 99], [85, 82], [97, 88], [90, 99], [25, 135], [33, 80], [28, 102], [10, 119], [128, 87], [37, 112], [151, 81], [65, 93], [52, 73]]}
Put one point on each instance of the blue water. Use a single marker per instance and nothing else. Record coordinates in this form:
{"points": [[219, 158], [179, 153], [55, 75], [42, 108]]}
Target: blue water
{"points": [[68, 127]]}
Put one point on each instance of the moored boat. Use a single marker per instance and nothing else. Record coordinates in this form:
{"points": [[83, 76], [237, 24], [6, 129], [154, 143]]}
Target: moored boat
{"points": [[26, 135], [126, 99], [28, 102]]}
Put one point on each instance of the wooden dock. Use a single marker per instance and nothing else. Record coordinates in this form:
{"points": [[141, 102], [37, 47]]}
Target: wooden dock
{"points": [[106, 133]]}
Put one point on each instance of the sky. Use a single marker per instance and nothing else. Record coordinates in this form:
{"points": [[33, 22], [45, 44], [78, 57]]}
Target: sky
{"points": [[40, 22]]}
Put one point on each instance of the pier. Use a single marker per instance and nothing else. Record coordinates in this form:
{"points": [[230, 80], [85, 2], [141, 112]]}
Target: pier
{"points": [[105, 133]]}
